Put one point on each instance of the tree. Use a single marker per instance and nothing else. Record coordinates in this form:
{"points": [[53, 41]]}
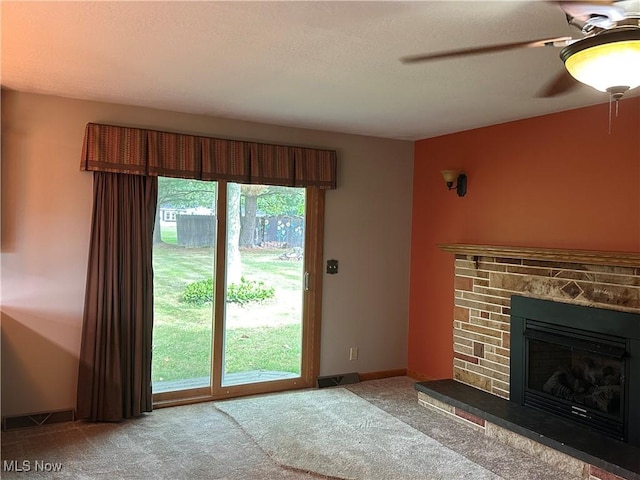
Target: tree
{"points": [[282, 201], [182, 193], [234, 263], [271, 201], [250, 195]]}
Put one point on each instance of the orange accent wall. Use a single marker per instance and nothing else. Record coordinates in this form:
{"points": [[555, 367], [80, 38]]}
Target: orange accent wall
{"points": [[557, 181]]}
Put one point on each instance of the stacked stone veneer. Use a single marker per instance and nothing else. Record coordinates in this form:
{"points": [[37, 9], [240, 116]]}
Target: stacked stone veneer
{"points": [[483, 289]]}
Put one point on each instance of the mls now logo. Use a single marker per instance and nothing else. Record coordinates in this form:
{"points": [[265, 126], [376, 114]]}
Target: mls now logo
{"points": [[28, 466]]}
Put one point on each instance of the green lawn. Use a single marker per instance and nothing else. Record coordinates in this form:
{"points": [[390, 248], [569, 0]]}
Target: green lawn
{"points": [[264, 348], [182, 332]]}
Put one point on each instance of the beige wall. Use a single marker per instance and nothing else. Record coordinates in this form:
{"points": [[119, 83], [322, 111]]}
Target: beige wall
{"points": [[46, 215]]}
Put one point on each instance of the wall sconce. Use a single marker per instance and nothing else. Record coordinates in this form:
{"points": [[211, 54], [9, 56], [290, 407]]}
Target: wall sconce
{"points": [[458, 178]]}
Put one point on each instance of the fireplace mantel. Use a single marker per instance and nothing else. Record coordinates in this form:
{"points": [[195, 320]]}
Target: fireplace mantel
{"points": [[615, 259]]}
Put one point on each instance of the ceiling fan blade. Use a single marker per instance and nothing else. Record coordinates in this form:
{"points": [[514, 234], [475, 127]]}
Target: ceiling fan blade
{"points": [[562, 83], [553, 42]]}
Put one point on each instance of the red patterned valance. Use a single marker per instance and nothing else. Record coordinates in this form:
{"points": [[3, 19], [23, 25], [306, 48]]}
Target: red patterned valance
{"points": [[109, 148]]}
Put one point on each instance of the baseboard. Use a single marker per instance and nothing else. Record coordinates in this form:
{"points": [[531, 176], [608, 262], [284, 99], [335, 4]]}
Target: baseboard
{"points": [[419, 376], [27, 420], [400, 372]]}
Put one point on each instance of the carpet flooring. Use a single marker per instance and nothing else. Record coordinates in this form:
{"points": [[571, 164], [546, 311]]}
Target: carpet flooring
{"points": [[227, 440], [336, 433]]}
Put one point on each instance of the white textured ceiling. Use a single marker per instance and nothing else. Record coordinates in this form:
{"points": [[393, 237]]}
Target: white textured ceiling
{"points": [[322, 65]]}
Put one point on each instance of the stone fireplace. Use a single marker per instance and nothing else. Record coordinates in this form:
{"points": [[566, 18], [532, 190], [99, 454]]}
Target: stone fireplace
{"points": [[486, 279], [485, 283]]}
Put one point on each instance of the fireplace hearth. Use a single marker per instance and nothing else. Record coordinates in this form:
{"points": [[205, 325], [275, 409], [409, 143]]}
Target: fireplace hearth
{"points": [[578, 363]]}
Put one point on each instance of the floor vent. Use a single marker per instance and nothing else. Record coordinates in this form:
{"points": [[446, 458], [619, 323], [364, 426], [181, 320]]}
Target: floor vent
{"points": [[335, 380], [37, 419]]}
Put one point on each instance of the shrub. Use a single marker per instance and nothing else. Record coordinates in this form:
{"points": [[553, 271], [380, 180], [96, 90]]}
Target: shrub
{"points": [[198, 293], [247, 291]]}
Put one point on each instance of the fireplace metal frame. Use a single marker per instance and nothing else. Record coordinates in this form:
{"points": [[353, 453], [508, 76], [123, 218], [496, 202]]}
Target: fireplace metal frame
{"points": [[601, 322]]}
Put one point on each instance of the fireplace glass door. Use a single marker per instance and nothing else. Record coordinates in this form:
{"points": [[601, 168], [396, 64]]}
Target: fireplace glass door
{"points": [[577, 377], [578, 363]]}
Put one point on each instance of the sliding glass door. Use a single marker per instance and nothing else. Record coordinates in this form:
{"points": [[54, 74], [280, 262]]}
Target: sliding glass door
{"points": [[183, 266], [236, 295], [264, 284]]}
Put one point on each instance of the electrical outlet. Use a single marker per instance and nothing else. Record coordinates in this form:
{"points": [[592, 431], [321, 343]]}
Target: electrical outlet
{"points": [[353, 353]]}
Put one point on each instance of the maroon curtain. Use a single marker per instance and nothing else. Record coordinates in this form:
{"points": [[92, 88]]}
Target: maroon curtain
{"points": [[114, 380], [110, 148]]}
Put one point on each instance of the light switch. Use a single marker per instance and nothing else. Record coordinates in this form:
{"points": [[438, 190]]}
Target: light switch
{"points": [[332, 266]]}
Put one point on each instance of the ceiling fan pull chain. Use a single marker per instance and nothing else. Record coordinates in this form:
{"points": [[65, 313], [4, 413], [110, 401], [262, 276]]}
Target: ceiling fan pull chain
{"points": [[613, 96]]}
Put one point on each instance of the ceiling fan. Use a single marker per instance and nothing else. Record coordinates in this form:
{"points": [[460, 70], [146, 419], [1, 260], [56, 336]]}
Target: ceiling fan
{"points": [[606, 58]]}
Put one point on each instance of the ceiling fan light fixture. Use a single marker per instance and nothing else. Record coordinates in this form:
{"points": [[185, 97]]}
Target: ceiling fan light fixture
{"points": [[607, 61]]}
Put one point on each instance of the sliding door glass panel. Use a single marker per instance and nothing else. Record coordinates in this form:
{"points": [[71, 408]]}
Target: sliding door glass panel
{"points": [[183, 263], [264, 284]]}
